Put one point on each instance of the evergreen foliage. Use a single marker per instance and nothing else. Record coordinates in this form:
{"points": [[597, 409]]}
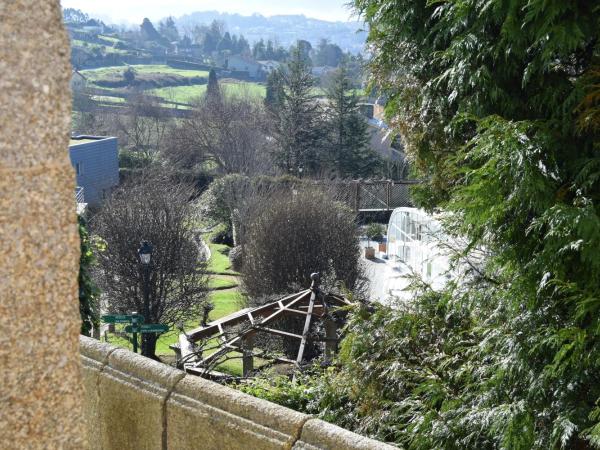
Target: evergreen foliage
{"points": [[348, 140], [298, 128], [213, 92], [498, 105], [89, 294]]}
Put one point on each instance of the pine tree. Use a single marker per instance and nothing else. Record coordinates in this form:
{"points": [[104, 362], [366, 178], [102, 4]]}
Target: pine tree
{"points": [[270, 51], [298, 126], [226, 43], [258, 50], [274, 89], [213, 92], [349, 153]]}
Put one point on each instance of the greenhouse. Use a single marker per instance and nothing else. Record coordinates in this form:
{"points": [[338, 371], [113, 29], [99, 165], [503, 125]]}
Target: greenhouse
{"points": [[414, 242]]}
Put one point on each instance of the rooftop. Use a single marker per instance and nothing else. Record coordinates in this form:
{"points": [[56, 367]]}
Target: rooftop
{"points": [[77, 140]]}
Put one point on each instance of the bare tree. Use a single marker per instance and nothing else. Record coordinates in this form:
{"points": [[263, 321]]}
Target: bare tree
{"points": [[143, 125], [151, 209], [229, 132]]}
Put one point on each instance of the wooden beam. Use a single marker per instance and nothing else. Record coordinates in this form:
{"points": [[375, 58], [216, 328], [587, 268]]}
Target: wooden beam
{"points": [[313, 297], [279, 332]]}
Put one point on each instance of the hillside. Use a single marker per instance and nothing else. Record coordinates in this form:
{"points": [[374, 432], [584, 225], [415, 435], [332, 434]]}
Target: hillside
{"points": [[285, 29]]}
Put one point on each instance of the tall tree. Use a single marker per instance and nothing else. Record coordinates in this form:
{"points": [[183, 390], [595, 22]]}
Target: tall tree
{"points": [[270, 50], [155, 210], [298, 128], [230, 133], [243, 48], [148, 31], [259, 49], [495, 102], [350, 154], [168, 29], [226, 43], [213, 91]]}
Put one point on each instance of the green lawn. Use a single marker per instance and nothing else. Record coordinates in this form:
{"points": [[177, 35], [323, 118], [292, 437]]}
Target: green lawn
{"points": [[221, 283], [225, 303], [219, 260], [186, 94], [92, 45], [105, 72], [180, 94]]}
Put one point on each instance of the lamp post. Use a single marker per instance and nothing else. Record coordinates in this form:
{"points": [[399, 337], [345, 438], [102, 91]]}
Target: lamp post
{"points": [[145, 256]]}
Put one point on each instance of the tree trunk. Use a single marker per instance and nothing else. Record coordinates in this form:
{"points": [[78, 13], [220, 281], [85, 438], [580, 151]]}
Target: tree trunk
{"points": [[149, 345]]}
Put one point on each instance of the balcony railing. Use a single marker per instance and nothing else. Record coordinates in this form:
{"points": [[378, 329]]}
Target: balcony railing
{"points": [[79, 194]]}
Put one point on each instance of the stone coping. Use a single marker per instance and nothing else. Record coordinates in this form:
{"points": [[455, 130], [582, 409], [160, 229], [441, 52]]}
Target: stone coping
{"points": [[133, 402]]}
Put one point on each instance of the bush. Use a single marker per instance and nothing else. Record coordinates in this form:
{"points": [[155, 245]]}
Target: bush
{"points": [[235, 256], [375, 232], [222, 235], [294, 234]]}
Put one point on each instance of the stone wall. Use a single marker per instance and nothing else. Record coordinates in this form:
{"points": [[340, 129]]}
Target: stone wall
{"points": [[40, 377], [135, 403]]}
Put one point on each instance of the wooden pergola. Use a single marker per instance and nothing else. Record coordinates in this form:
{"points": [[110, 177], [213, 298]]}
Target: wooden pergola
{"points": [[218, 338]]}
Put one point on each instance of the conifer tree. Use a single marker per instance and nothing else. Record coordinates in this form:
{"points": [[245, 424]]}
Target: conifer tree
{"points": [[349, 152], [213, 92], [274, 91], [298, 126]]}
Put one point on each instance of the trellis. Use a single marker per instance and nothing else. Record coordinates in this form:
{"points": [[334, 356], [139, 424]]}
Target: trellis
{"points": [[200, 350]]}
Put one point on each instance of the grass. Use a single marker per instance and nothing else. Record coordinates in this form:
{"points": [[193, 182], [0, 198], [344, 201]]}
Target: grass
{"points": [[107, 72], [180, 94], [225, 303], [92, 45], [219, 260], [217, 283], [186, 94], [224, 299]]}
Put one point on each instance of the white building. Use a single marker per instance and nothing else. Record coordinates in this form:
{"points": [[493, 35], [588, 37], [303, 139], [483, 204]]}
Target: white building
{"points": [[240, 63], [269, 66]]}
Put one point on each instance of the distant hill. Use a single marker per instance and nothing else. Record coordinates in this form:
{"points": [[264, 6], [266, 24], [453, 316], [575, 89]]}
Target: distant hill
{"points": [[285, 29]]}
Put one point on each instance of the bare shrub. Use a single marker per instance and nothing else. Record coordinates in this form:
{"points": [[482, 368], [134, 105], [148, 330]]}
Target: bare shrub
{"points": [[295, 233], [229, 133], [155, 210]]}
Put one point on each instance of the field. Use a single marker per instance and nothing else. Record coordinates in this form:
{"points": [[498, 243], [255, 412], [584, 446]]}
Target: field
{"points": [[109, 72], [186, 94], [91, 46]]}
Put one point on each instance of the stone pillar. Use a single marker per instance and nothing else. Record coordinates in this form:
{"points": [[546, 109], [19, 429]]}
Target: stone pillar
{"points": [[41, 385]]}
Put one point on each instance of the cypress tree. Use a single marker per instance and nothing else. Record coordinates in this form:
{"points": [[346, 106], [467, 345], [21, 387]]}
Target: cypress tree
{"points": [[213, 92]]}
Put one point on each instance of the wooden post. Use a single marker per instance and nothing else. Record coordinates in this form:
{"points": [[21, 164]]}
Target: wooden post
{"points": [[388, 193], [357, 195], [314, 287], [247, 359], [330, 339]]}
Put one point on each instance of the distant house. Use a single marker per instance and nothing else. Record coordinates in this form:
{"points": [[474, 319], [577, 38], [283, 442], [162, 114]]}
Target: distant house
{"points": [[96, 163], [238, 63], [269, 66], [78, 80]]}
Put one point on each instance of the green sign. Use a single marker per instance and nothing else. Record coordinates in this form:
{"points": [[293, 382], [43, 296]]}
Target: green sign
{"points": [[146, 328], [122, 318]]}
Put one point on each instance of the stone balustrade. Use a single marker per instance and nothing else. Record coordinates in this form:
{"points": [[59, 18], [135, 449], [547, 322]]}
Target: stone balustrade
{"points": [[132, 402]]}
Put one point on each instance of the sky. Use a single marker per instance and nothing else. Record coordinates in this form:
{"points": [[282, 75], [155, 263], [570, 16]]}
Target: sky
{"points": [[134, 11]]}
